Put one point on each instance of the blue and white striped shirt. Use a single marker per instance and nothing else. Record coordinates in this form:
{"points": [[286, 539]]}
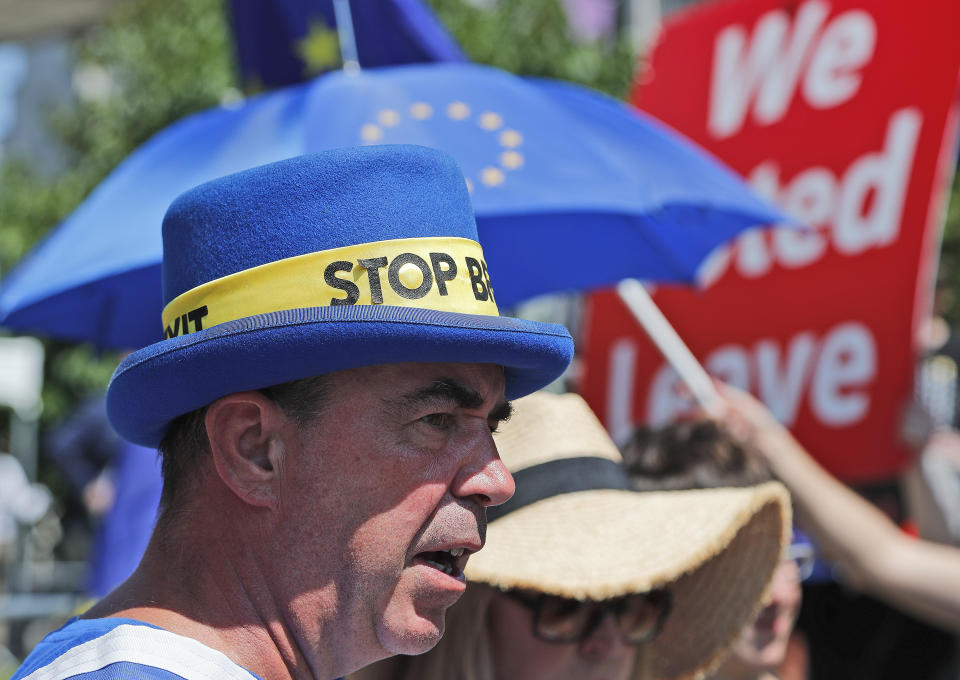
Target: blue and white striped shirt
{"points": [[115, 649]]}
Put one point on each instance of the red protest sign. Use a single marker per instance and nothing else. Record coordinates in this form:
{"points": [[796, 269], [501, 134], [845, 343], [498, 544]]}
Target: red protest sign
{"points": [[843, 113]]}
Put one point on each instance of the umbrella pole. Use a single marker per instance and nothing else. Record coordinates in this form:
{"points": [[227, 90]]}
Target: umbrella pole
{"points": [[345, 35], [676, 352]]}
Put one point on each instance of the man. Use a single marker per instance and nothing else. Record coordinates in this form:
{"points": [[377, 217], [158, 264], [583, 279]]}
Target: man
{"points": [[333, 368]]}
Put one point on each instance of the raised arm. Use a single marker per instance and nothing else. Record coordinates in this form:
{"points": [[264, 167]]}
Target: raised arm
{"points": [[871, 552]]}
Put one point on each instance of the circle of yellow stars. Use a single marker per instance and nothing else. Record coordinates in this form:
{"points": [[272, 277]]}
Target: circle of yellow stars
{"points": [[510, 156]]}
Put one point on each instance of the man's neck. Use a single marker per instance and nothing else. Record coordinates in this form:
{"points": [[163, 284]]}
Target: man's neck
{"points": [[214, 593]]}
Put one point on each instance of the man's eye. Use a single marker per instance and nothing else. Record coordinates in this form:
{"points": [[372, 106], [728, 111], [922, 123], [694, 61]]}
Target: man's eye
{"points": [[441, 421]]}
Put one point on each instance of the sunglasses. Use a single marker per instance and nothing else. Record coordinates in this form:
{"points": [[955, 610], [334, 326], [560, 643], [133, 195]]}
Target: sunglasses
{"points": [[639, 617]]}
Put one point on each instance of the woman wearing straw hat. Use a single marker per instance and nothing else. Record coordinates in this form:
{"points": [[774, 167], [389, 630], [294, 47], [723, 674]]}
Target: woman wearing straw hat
{"points": [[583, 578]]}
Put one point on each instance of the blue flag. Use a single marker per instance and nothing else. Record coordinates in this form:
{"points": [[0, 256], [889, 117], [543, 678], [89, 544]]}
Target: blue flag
{"points": [[282, 42]]}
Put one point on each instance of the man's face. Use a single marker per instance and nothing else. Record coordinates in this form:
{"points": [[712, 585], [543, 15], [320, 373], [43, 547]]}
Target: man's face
{"points": [[383, 492]]}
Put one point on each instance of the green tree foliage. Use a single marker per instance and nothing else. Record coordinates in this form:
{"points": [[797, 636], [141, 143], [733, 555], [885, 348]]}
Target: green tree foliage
{"points": [[164, 60], [531, 37], [948, 278]]}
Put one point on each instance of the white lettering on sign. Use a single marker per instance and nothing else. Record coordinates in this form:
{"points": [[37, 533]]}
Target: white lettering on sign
{"points": [[849, 358], [785, 54], [861, 223], [729, 363], [623, 362], [834, 372], [780, 379], [845, 47], [859, 211]]}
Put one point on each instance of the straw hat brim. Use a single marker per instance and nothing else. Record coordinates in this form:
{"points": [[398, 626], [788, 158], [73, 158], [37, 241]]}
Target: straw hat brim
{"points": [[715, 549]]}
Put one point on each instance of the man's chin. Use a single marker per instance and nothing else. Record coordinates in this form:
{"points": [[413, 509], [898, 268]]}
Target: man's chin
{"points": [[414, 618], [417, 634]]}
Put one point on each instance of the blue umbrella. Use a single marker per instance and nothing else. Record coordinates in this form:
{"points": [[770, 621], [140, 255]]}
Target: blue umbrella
{"points": [[572, 190]]}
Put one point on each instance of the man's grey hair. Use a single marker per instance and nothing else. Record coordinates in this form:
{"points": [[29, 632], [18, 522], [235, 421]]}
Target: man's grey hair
{"points": [[185, 443]]}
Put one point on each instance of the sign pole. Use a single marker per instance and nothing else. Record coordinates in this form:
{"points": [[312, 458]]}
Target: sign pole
{"points": [[673, 348], [345, 34]]}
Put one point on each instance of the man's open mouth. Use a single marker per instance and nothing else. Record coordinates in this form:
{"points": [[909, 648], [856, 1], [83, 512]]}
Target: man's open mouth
{"points": [[451, 562]]}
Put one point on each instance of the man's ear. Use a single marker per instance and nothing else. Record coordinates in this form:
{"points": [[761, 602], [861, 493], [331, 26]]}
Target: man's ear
{"points": [[247, 441]]}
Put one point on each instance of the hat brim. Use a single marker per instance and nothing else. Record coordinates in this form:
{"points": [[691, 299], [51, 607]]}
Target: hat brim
{"points": [[715, 549], [154, 385]]}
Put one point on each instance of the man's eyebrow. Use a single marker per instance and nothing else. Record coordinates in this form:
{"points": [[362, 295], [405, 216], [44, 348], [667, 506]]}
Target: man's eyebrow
{"points": [[502, 412], [445, 389], [453, 390]]}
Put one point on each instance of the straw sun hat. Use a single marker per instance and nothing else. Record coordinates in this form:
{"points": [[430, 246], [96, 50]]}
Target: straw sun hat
{"points": [[574, 529]]}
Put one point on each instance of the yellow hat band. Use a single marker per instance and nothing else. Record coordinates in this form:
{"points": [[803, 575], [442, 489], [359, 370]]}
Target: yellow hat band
{"points": [[444, 274]]}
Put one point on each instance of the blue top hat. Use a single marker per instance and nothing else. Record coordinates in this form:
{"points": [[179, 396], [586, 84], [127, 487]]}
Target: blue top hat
{"points": [[320, 263]]}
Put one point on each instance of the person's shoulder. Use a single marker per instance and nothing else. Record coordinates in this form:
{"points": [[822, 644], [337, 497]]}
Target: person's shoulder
{"points": [[123, 670], [115, 648]]}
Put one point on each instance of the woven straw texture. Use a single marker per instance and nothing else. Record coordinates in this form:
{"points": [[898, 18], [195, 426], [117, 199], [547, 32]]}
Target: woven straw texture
{"points": [[715, 549]]}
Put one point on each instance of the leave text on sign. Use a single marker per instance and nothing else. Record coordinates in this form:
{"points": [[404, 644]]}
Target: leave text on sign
{"points": [[835, 371]]}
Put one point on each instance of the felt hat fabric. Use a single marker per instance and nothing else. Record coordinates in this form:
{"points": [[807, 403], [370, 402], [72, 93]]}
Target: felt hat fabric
{"points": [[575, 529], [347, 258]]}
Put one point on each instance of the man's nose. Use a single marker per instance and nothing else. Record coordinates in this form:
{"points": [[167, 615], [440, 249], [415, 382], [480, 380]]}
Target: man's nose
{"points": [[487, 480], [604, 641]]}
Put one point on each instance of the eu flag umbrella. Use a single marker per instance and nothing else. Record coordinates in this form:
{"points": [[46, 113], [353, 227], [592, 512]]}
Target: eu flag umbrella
{"points": [[572, 190]]}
